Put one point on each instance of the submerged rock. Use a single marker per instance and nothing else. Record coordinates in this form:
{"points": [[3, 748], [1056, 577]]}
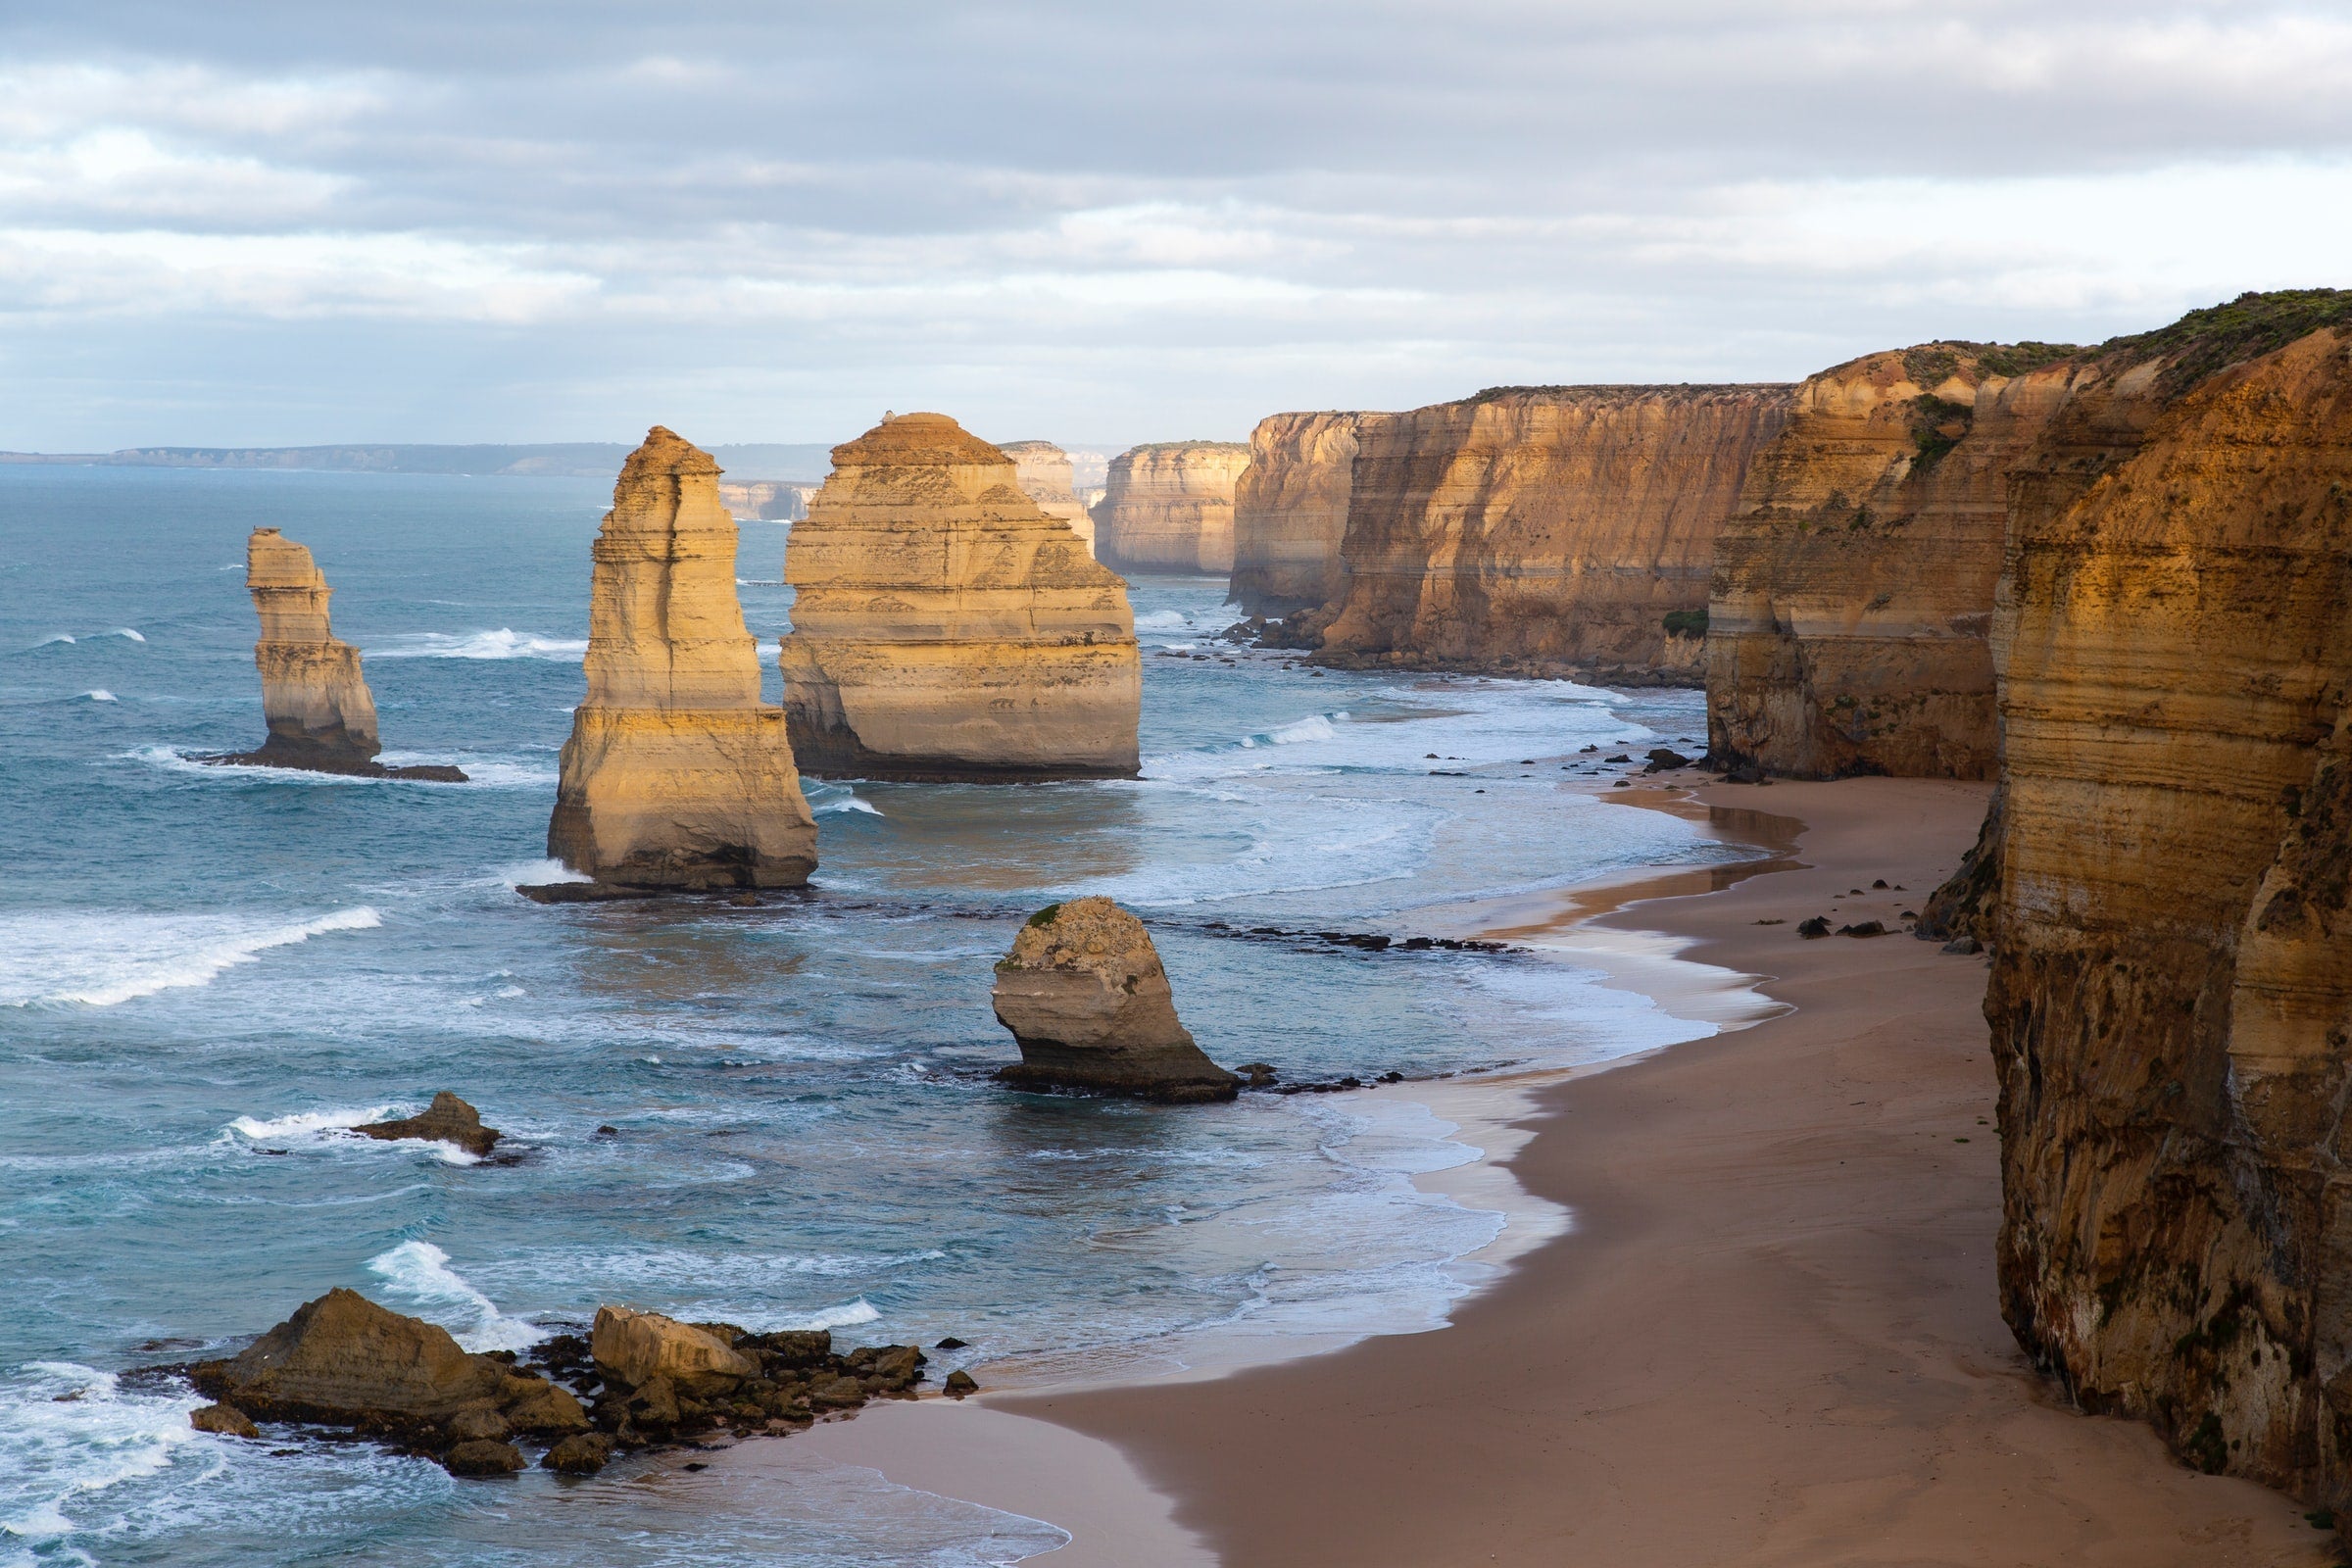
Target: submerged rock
{"points": [[1085, 994], [448, 1120], [344, 1360]]}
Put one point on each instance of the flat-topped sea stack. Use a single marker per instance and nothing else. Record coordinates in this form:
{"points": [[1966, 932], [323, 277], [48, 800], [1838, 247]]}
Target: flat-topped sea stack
{"points": [[1547, 530], [946, 628], [1290, 512], [313, 698], [1848, 629], [1086, 998], [1043, 471], [1168, 507], [676, 775]]}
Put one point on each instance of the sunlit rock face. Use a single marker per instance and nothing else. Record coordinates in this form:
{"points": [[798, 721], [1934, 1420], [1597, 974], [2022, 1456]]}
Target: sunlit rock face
{"points": [[1850, 624], [1290, 512], [313, 698], [1043, 471], [1546, 528], [2172, 989], [1168, 507], [676, 775], [946, 629]]}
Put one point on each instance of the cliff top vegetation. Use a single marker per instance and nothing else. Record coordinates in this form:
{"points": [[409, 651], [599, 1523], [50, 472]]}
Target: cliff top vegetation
{"points": [[2217, 336]]}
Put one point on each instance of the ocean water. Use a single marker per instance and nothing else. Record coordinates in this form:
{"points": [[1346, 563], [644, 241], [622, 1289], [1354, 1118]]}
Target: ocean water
{"points": [[207, 974]]}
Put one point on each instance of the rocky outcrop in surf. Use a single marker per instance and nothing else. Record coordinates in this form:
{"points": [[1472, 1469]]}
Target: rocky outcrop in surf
{"points": [[946, 629], [1043, 471], [321, 715], [1849, 627], [2171, 988], [447, 1120], [1168, 507], [1546, 529], [1088, 1002], [1290, 512], [676, 774]]}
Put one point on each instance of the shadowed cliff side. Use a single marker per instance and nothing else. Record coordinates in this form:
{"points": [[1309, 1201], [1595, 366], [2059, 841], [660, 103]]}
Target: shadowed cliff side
{"points": [[2173, 900], [1168, 507], [1848, 629], [1546, 529], [1290, 512], [675, 776], [946, 629]]}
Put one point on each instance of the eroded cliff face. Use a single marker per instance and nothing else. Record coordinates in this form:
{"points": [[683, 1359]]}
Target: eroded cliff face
{"points": [[946, 629], [1043, 471], [1290, 512], [1848, 626], [2171, 990], [1168, 507], [314, 696], [1546, 528], [676, 775]]}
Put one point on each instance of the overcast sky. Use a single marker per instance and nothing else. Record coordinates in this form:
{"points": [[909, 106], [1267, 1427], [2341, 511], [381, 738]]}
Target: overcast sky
{"points": [[509, 220]]}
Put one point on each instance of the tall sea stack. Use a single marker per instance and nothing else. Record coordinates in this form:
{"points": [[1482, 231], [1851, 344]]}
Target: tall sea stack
{"points": [[946, 629], [676, 776], [1290, 512], [1168, 507], [1087, 999]]}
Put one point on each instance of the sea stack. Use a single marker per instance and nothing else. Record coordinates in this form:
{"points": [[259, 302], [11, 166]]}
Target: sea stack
{"points": [[676, 775], [1168, 507], [1084, 993], [1043, 471], [946, 628], [314, 696]]}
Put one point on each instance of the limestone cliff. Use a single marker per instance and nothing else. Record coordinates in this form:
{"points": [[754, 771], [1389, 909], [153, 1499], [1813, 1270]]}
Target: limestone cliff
{"points": [[1848, 626], [1168, 507], [946, 628], [1086, 998], [2171, 990], [1535, 529], [1290, 512], [314, 696], [767, 499], [676, 775], [1043, 471]]}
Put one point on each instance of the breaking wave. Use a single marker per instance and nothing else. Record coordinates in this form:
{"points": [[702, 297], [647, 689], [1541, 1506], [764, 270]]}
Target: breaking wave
{"points": [[102, 960], [503, 643]]}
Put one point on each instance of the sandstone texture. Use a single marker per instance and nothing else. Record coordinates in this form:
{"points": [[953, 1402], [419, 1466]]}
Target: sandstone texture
{"points": [[343, 1359], [447, 1120], [639, 1347], [946, 629], [1086, 998], [1546, 529], [1043, 471], [1290, 512], [676, 775], [1168, 507], [1848, 630], [2171, 988]]}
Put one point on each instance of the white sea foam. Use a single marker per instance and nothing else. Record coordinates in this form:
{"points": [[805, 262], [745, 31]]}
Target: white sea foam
{"points": [[69, 1434], [503, 643], [1164, 620], [131, 632], [306, 1125], [831, 1317], [99, 695], [848, 802], [533, 873], [100, 960], [59, 637], [419, 1272]]}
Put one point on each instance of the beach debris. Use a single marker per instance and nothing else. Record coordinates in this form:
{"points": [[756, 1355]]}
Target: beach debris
{"points": [[961, 1383], [1086, 998], [225, 1419], [447, 1120], [1818, 926]]}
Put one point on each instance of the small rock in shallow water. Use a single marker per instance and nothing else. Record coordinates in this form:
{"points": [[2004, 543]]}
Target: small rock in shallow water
{"points": [[482, 1458], [447, 1120], [960, 1384], [950, 1343], [225, 1419], [581, 1456]]}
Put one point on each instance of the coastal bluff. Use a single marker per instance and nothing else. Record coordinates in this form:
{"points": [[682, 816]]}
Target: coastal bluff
{"points": [[946, 629], [1043, 472], [1168, 507], [1290, 512], [676, 775], [1087, 1000], [1546, 529]]}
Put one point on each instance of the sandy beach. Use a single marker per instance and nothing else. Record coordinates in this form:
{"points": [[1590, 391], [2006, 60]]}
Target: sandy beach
{"points": [[1767, 1333]]}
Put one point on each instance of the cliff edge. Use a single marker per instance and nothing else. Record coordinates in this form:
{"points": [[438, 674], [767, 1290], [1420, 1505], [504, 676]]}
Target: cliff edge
{"points": [[1290, 512]]}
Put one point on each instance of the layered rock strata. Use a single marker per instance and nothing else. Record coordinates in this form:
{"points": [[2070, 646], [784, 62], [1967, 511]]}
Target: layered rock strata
{"points": [[1546, 529], [1848, 626], [1290, 512], [946, 629], [1043, 471], [321, 715], [2172, 990], [676, 774], [1088, 1002], [1168, 507]]}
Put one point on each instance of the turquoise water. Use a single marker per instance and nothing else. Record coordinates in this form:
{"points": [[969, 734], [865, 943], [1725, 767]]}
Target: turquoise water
{"points": [[206, 974]]}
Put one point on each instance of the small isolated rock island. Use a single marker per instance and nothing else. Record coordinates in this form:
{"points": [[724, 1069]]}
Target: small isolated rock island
{"points": [[946, 629], [1084, 993], [676, 776], [447, 1120], [321, 718]]}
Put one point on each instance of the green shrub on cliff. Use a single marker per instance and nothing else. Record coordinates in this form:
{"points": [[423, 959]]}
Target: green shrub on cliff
{"points": [[2221, 335]]}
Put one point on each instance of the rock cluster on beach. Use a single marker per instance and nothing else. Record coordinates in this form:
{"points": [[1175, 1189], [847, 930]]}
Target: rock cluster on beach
{"points": [[946, 629], [1290, 512], [315, 700], [1086, 998], [676, 774], [1043, 471], [1168, 507]]}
